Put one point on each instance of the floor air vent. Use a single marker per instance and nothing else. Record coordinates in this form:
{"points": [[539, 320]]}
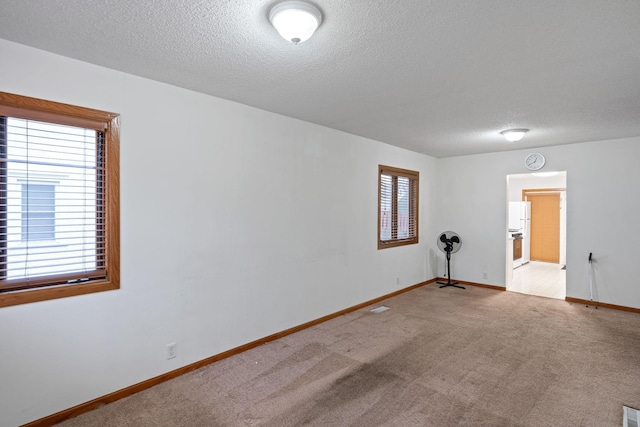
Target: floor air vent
{"points": [[380, 309], [630, 417]]}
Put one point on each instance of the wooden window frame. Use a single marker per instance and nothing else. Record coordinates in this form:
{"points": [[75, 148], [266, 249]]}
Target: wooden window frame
{"points": [[414, 178], [23, 107]]}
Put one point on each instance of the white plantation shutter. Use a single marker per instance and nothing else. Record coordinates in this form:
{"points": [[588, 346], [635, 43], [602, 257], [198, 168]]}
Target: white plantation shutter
{"points": [[386, 206], [398, 207], [51, 203]]}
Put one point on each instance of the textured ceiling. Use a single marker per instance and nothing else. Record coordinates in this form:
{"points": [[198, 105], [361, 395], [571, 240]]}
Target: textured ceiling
{"points": [[438, 77]]}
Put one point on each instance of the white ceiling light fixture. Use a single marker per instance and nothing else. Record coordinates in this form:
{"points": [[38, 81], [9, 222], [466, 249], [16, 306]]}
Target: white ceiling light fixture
{"points": [[514, 135], [296, 21]]}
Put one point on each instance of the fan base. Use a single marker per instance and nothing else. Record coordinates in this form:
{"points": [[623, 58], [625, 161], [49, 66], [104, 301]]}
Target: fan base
{"points": [[453, 284]]}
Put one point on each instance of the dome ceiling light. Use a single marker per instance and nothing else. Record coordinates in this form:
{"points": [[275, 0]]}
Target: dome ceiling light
{"points": [[296, 21], [514, 135]]}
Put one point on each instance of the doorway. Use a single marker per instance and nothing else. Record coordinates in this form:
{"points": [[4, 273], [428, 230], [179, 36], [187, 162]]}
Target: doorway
{"points": [[541, 270]]}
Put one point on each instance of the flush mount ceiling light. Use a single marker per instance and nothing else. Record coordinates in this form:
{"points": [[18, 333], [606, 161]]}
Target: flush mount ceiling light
{"points": [[514, 135], [296, 21]]}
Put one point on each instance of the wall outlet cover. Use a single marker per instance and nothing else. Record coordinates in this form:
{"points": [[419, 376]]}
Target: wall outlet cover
{"points": [[172, 350]]}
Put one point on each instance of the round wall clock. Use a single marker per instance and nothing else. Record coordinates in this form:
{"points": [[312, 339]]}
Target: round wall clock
{"points": [[534, 161]]}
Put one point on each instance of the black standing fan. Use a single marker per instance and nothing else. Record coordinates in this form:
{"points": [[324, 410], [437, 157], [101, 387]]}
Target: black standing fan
{"points": [[449, 243]]}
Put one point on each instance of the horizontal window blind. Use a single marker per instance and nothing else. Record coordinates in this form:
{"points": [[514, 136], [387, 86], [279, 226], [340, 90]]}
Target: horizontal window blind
{"points": [[398, 206], [51, 204]]}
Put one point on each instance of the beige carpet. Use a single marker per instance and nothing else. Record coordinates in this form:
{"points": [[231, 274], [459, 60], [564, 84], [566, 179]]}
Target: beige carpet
{"points": [[438, 357]]}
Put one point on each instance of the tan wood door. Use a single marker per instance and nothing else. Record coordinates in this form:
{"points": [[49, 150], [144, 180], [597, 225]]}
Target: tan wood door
{"points": [[545, 227]]}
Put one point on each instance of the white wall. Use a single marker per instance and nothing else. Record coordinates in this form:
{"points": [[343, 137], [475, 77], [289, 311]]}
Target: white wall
{"points": [[236, 223], [602, 207]]}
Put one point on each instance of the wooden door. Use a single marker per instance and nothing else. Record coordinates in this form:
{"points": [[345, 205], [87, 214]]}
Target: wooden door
{"points": [[545, 227]]}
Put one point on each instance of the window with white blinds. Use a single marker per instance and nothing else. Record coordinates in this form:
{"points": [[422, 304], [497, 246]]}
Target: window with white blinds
{"points": [[58, 200], [397, 207]]}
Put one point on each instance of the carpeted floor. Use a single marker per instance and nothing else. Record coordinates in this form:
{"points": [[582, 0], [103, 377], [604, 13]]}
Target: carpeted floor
{"points": [[438, 357]]}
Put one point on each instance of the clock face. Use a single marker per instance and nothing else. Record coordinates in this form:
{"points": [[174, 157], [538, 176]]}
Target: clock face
{"points": [[534, 161]]}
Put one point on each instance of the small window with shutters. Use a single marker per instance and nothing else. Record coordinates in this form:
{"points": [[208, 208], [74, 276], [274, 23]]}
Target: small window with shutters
{"points": [[59, 200], [397, 207]]}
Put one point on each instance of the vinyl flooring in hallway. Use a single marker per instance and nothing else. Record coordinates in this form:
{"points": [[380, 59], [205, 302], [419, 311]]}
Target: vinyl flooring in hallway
{"points": [[540, 278]]}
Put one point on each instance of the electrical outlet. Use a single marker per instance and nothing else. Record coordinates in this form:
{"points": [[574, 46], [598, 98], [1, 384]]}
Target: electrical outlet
{"points": [[484, 275], [398, 280], [172, 350]]}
